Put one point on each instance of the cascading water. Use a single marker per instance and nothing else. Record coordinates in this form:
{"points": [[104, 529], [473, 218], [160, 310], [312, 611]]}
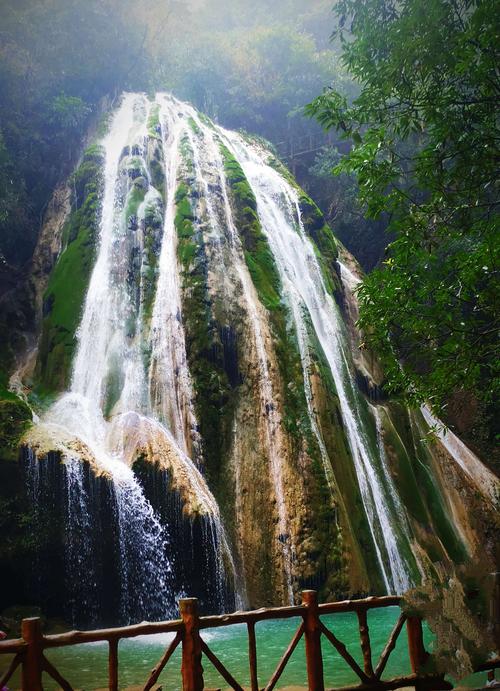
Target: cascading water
{"points": [[208, 160], [485, 481], [118, 408], [169, 379], [305, 290]]}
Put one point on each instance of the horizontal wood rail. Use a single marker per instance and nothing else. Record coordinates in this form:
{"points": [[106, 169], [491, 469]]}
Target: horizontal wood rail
{"points": [[28, 651]]}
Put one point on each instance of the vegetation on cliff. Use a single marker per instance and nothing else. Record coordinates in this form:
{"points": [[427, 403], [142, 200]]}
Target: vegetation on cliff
{"points": [[425, 151], [65, 294], [214, 370], [325, 556], [15, 418], [51, 93]]}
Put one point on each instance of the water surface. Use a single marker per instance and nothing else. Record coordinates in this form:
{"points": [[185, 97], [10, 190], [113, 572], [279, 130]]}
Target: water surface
{"points": [[86, 666]]}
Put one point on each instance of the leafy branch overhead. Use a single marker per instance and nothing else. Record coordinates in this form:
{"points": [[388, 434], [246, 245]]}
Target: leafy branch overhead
{"points": [[425, 149]]}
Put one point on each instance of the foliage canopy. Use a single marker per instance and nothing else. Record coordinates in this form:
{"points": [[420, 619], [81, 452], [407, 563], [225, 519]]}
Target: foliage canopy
{"points": [[425, 149]]}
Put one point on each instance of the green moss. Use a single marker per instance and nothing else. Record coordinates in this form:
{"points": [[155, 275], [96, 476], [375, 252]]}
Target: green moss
{"points": [[184, 215], [135, 166], [104, 124], [65, 294], [157, 175], [258, 255], [149, 271], [398, 454], [153, 220], [84, 178], [434, 498], [194, 126], [323, 239], [15, 418], [323, 529], [206, 120], [135, 198], [186, 247], [214, 393], [352, 513], [187, 154], [154, 122]]}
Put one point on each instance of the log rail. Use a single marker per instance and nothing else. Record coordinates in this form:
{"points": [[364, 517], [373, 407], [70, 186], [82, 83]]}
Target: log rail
{"points": [[28, 651]]}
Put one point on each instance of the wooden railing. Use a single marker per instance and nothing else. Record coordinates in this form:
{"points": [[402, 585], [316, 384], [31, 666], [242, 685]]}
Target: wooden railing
{"points": [[29, 651]]}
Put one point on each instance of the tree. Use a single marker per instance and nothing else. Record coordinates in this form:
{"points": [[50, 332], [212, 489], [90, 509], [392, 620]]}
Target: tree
{"points": [[49, 92], [425, 149]]}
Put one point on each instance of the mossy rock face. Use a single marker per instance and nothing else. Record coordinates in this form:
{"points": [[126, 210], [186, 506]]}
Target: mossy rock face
{"points": [[134, 167], [321, 551], [68, 283], [135, 198], [324, 242], [207, 349], [315, 226], [431, 491], [15, 418], [157, 175], [140, 183], [258, 255], [421, 495], [154, 127], [152, 239]]}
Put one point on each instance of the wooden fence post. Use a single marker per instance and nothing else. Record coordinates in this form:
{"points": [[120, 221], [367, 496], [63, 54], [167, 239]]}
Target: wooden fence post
{"points": [[314, 658], [31, 631], [418, 654], [252, 656], [366, 648], [113, 664], [192, 671]]}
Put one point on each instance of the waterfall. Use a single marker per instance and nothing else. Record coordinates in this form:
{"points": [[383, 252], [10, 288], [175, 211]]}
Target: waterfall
{"points": [[78, 542], [124, 442], [305, 291], [131, 395], [169, 379], [484, 480], [206, 150]]}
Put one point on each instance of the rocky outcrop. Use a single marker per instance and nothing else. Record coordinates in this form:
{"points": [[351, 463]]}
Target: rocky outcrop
{"points": [[65, 293]]}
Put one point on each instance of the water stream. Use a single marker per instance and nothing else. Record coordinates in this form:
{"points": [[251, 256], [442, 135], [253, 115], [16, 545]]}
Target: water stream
{"points": [[304, 287], [119, 408]]}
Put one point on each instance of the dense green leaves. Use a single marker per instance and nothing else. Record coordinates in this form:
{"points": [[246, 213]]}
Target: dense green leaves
{"points": [[57, 60], [425, 150]]}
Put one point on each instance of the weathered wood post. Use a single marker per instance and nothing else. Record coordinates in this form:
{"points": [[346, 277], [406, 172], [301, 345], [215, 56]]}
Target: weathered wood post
{"points": [[31, 631], [366, 648], [113, 664], [192, 671], [314, 658], [252, 656], [418, 654]]}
